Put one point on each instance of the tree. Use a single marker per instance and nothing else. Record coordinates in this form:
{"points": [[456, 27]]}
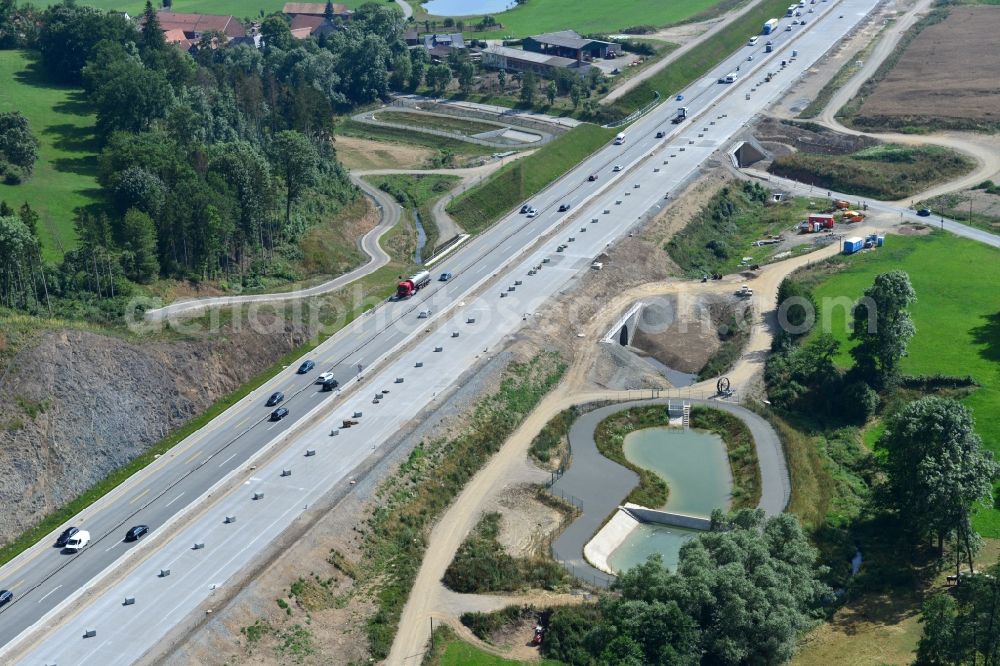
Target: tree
{"points": [[528, 83], [460, 25], [328, 13], [276, 33], [742, 594], [18, 146], [937, 645], [131, 98], [152, 33], [69, 34], [550, 92], [139, 241], [18, 255], [882, 327], [502, 80], [438, 78], [402, 72], [136, 188], [963, 629], [466, 74], [419, 60], [575, 95], [937, 471], [29, 217], [296, 161]]}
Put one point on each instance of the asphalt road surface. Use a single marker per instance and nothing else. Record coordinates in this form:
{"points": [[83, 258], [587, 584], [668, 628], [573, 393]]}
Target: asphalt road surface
{"points": [[387, 344]]}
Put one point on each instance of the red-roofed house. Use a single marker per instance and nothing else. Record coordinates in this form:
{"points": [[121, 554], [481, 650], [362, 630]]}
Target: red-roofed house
{"points": [[305, 25], [193, 26]]}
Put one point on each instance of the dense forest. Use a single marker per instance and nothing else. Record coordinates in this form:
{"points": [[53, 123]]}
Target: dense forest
{"points": [[211, 165]]}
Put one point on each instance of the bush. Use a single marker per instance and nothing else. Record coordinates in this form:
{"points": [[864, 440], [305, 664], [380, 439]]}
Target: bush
{"points": [[937, 382], [483, 625], [858, 402], [547, 442], [639, 30]]}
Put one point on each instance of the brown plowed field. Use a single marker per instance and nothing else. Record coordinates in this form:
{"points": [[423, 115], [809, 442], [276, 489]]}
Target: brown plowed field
{"points": [[950, 71]]}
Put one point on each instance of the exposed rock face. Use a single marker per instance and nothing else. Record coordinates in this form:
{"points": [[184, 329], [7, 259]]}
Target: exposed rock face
{"points": [[77, 405]]}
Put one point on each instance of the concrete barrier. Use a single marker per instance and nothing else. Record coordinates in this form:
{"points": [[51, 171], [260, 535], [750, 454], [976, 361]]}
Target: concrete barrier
{"points": [[645, 515]]}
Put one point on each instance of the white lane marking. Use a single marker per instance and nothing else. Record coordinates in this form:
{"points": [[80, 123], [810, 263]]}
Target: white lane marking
{"points": [[49, 592], [114, 545], [179, 496], [227, 460]]}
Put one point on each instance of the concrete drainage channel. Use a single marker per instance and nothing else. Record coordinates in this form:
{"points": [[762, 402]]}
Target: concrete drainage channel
{"points": [[597, 486]]}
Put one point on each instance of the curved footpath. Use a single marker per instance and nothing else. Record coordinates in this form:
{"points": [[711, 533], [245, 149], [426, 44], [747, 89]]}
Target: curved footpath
{"points": [[601, 485], [377, 257]]}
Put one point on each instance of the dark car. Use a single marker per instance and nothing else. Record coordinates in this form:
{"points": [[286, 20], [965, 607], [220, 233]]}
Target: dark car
{"points": [[524, 209], [65, 536], [660, 134], [924, 212], [135, 533], [563, 208], [306, 367], [279, 413], [330, 384], [592, 177], [275, 398], [445, 276], [5, 597]]}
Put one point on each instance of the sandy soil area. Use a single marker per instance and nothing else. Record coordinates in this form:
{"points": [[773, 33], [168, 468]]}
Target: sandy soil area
{"points": [[356, 153]]}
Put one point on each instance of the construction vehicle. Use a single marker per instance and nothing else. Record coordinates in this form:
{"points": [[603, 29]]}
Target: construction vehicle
{"points": [[840, 204], [412, 285], [348, 423], [682, 113], [851, 216]]}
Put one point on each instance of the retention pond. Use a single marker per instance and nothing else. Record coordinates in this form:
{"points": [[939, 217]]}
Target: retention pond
{"points": [[695, 466]]}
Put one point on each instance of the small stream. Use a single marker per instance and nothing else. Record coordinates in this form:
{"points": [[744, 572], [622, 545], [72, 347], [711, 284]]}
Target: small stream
{"points": [[421, 239]]}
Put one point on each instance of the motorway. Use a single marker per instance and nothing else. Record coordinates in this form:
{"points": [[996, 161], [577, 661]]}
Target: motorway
{"points": [[470, 314]]}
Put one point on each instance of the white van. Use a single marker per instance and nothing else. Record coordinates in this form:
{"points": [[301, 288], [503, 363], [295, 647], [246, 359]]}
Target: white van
{"points": [[620, 139], [78, 541], [753, 41]]}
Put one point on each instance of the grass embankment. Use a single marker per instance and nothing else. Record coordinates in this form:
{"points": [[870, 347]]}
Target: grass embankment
{"points": [[482, 205], [551, 445], [463, 126], [447, 649], [652, 491], [888, 171], [586, 16], [419, 191], [444, 145], [65, 173], [483, 565], [722, 232], [693, 64], [957, 320], [734, 334], [843, 75], [430, 479]]}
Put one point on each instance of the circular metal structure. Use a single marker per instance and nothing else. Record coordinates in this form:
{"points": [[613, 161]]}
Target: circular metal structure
{"points": [[722, 386]]}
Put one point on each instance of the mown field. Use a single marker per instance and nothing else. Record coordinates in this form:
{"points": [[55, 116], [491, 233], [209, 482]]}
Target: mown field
{"points": [[236, 8], [957, 316], [482, 205], [585, 16], [65, 173]]}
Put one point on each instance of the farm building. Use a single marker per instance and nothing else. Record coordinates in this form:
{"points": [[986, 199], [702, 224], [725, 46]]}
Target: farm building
{"points": [[309, 25], [193, 26], [516, 60], [568, 44]]}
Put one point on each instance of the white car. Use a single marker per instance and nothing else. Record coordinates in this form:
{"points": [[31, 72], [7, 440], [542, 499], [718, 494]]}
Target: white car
{"points": [[618, 167], [78, 541], [532, 213], [323, 376], [788, 28]]}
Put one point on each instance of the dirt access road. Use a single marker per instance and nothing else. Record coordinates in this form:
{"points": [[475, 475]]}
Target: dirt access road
{"points": [[428, 598], [984, 149]]}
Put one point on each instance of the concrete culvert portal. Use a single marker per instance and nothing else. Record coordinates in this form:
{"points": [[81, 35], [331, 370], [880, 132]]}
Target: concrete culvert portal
{"points": [[748, 153]]}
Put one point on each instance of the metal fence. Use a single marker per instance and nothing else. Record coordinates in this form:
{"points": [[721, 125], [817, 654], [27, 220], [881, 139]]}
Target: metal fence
{"points": [[636, 114]]}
